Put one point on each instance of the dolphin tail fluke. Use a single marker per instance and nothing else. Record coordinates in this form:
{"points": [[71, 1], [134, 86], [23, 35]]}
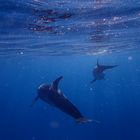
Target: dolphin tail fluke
{"points": [[83, 120], [93, 81], [34, 101]]}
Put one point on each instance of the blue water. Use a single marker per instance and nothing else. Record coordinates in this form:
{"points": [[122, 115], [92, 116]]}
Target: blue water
{"points": [[41, 40]]}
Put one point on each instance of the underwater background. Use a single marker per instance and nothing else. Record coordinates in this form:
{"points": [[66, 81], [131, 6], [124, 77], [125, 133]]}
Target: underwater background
{"points": [[41, 40]]}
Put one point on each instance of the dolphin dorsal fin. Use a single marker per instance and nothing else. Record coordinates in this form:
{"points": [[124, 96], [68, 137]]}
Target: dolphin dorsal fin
{"points": [[56, 82], [98, 63]]}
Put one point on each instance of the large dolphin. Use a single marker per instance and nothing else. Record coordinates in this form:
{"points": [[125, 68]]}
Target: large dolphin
{"points": [[98, 71], [53, 96]]}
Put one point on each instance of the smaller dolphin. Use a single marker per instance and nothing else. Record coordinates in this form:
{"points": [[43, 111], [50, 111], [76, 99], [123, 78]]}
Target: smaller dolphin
{"points": [[98, 71], [53, 96]]}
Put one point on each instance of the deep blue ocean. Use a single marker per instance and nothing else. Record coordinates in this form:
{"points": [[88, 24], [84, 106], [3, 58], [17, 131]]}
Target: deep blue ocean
{"points": [[41, 40]]}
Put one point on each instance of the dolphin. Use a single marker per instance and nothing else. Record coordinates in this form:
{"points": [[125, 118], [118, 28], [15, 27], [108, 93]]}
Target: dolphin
{"points": [[98, 71], [53, 96]]}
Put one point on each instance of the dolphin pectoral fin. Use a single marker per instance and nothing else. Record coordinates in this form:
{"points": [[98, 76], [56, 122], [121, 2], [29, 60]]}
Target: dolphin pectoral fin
{"points": [[104, 67], [34, 101], [56, 82], [107, 67], [93, 81]]}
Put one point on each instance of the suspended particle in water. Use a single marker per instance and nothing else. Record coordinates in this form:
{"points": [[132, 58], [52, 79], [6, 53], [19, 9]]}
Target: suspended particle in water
{"points": [[130, 57], [91, 89], [33, 138], [69, 28], [21, 53], [54, 124]]}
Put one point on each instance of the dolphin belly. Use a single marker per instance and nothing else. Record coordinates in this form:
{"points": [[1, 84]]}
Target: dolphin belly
{"points": [[99, 76], [47, 100], [66, 106], [62, 103]]}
